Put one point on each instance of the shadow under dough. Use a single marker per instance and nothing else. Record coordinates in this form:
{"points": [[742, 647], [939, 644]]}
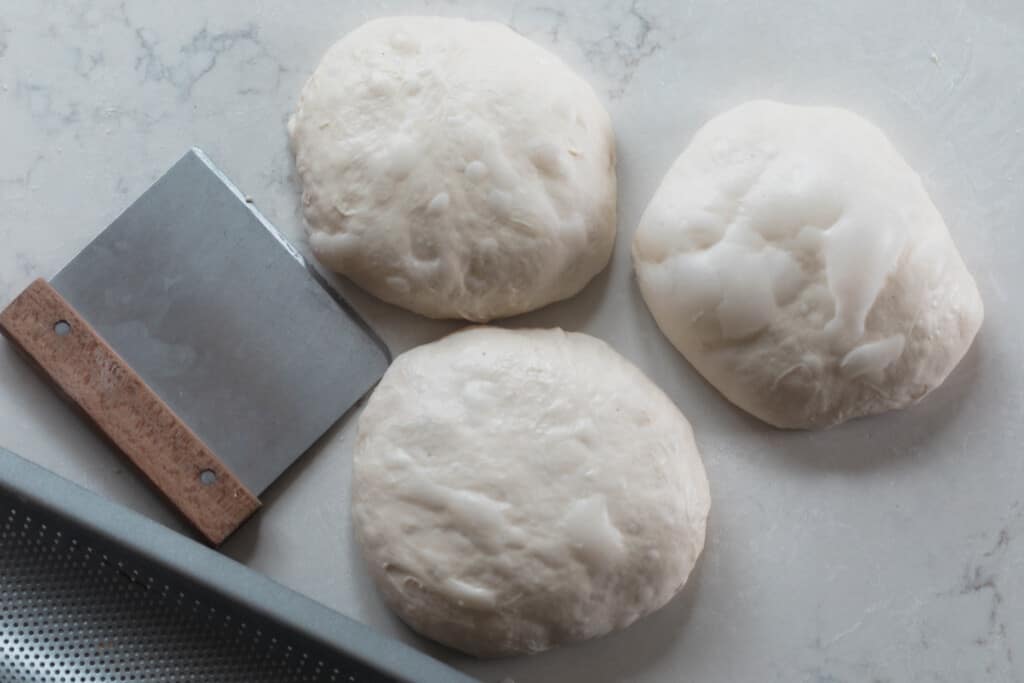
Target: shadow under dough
{"points": [[569, 314], [615, 657], [879, 440], [857, 444]]}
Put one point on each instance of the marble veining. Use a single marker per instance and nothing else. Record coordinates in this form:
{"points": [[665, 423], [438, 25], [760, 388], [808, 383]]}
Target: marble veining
{"points": [[4, 30], [888, 549], [196, 58], [613, 41], [982, 581]]}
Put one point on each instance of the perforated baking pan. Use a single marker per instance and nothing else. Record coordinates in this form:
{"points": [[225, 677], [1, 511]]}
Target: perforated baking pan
{"points": [[93, 592]]}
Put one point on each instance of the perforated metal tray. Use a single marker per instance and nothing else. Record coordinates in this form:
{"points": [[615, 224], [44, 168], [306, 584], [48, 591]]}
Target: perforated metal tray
{"points": [[93, 592]]}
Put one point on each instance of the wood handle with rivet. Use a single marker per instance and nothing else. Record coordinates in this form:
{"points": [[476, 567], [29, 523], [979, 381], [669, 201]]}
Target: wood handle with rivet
{"points": [[44, 326]]}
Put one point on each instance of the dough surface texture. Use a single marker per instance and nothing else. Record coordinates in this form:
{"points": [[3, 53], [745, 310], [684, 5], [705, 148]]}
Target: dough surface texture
{"points": [[795, 259], [518, 489], [455, 168]]}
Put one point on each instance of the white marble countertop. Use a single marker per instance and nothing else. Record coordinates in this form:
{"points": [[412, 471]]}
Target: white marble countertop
{"points": [[889, 549]]}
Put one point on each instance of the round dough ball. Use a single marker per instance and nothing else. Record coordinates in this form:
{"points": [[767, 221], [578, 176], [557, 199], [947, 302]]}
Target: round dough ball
{"points": [[455, 168], [517, 489], [796, 261]]}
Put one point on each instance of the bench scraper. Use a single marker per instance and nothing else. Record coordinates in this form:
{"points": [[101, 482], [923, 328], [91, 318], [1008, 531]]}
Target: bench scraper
{"points": [[200, 343]]}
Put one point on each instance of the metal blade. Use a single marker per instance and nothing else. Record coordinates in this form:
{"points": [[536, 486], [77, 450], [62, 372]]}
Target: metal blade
{"points": [[222, 318]]}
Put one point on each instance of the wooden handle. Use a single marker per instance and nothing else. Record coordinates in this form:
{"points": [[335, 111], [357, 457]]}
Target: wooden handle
{"points": [[71, 354]]}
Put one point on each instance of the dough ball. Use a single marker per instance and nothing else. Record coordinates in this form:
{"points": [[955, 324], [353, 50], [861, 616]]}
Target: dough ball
{"points": [[796, 261], [455, 168], [517, 489]]}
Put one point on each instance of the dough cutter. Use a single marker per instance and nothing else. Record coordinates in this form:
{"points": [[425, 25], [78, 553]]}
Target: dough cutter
{"points": [[200, 343]]}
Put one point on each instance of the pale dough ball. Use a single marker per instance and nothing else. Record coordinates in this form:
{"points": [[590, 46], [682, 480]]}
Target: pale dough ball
{"points": [[796, 261], [455, 168], [517, 489]]}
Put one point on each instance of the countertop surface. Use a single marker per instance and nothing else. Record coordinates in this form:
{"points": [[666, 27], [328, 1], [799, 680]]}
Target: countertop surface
{"points": [[887, 549]]}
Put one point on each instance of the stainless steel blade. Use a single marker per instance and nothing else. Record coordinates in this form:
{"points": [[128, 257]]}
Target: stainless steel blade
{"points": [[222, 318]]}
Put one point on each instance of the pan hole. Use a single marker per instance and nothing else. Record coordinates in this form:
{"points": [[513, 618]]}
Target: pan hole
{"points": [[62, 328], [207, 477]]}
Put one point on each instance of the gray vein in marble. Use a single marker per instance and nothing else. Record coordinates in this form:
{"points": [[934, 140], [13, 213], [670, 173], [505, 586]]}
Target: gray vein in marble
{"points": [[982, 578], [90, 16], [23, 179], [47, 107], [615, 46], [87, 61], [4, 31], [552, 21], [632, 40], [196, 58]]}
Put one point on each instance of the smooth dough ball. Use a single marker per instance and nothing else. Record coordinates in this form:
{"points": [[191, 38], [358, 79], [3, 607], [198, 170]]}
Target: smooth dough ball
{"points": [[517, 489], [796, 261], [455, 168]]}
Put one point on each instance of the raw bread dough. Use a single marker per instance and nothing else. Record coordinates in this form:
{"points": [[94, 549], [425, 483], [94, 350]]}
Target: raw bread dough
{"points": [[517, 489], [455, 168], [796, 261]]}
